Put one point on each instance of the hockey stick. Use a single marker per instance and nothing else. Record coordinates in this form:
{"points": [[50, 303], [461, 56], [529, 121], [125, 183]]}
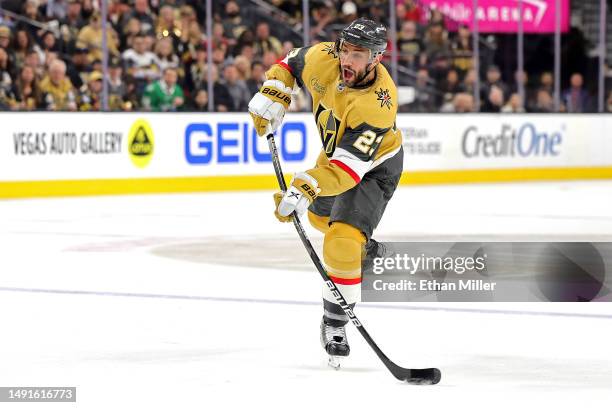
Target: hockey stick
{"points": [[410, 375]]}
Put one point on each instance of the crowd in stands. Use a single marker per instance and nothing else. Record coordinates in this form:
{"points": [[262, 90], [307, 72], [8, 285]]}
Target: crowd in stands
{"points": [[51, 57]]}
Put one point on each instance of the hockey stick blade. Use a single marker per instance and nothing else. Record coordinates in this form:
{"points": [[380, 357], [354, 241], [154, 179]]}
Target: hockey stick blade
{"points": [[417, 376]]}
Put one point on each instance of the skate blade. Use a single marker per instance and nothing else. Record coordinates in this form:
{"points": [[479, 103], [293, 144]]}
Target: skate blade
{"points": [[334, 362]]}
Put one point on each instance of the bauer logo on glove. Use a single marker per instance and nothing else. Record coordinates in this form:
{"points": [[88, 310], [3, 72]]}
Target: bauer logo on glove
{"points": [[268, 106], [277, 95], [298, 197]]}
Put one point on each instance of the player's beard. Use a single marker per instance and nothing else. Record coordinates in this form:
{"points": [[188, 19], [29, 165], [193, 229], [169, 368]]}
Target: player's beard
{"points": [[354, 78]]}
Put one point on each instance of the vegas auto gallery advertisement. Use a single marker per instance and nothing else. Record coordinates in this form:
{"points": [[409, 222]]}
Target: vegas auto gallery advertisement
{"points": [[91, 146]]}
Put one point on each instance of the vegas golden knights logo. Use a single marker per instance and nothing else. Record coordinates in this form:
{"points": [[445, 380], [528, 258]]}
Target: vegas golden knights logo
{"points": [[328, 126]]}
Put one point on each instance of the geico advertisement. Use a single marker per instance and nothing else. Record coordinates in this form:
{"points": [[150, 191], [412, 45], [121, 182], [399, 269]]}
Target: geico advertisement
{"points": [[47, 146], [505, 141]]}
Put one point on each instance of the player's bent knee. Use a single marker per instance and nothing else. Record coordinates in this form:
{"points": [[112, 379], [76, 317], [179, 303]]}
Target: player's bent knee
{"points": [[320, 222], [342, 248]]}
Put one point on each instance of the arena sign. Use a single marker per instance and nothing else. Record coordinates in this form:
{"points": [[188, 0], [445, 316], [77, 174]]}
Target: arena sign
{"points": [[502, 16]]}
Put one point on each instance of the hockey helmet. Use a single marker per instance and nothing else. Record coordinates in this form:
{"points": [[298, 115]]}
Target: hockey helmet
{"points": [[364, 33]]}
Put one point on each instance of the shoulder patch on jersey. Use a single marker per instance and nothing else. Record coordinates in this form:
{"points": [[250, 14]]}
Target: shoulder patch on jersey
{"points": [[330, 49], [384, 98]]}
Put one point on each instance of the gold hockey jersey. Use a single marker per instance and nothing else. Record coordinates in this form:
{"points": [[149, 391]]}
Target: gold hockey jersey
{"points": [[356, 125]]}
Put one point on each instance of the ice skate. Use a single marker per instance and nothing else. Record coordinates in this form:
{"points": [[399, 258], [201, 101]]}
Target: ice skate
{"points": [[333, 340]]}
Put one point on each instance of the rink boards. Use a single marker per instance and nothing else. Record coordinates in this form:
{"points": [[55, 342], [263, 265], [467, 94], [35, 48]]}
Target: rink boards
{"points": [[60, 154]]}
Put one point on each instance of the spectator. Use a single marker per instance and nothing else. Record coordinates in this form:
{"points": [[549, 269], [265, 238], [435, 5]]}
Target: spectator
{"points": [[165, 94], [141, 64], [129, 32], [494, 100], [322, 16], [190, 40], [348, 13], [609, 103], [461, 103], [547, 82], [246, 40], [49, 43], [195, 76], [166, 58], [244, 68], [222, 99], [576, 99], [413, 12], [219, 40], [117, 88], [237, 89], [54, 10], [377, 12], [450, 85], [167, 26], [6, 81], [6, 70], [26, 92], [5, 38], [269, 59], [33, 60], [462, 50], [514, 105], [22, 44], [411, 48], [132, 99], [424, 98], [258, 76], [292, 7], [287, 47], [248, 52], [199, 102], [544, 102], [265, 42], [143, 14], [493, 79], [91, 36], [57, 89], [90, 94], [233, 25], [469, 81], [79, 68], [219, 56], [71, 24], [436, 41], [87, 9], [30, 10], [187, 15]]}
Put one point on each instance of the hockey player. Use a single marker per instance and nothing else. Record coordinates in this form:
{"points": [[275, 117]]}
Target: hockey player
{"points": [[357, 172]]}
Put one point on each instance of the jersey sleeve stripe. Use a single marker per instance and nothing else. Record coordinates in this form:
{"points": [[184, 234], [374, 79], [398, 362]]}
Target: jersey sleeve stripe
{"points": [[347, 169], [345, 281], [283, 64]]}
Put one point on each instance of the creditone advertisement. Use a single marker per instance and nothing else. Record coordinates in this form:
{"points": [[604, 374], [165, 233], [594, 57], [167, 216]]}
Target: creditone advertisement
{"points": [[502, 16], [44, 154]]}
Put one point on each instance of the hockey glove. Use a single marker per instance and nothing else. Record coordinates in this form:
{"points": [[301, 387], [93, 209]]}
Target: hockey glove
{"points": [[298, 197], [268, 106]]}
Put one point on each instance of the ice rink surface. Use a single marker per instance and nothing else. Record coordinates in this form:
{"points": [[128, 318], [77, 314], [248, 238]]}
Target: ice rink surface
{"points": [[204, 300]]}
